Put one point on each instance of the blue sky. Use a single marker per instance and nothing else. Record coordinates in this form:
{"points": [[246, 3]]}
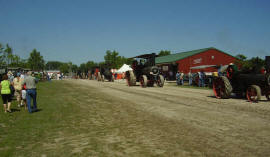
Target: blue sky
{"points": [[82, 30]]}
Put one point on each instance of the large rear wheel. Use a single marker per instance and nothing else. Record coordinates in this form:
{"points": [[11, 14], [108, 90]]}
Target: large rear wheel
{"points": [[222, 87], [130, 77], [160, 80], [267, 95], [99, 76], [254, 93], [102, 78], [267, 78], [143, 81]]}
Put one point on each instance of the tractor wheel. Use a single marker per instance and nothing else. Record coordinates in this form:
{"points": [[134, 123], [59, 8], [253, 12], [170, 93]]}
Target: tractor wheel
{"points": [[254, 93], [267, 95], [267, 77], [160, 80], [222, 87], [102, 78], [143, 81], [99, 76], [130, 77]]}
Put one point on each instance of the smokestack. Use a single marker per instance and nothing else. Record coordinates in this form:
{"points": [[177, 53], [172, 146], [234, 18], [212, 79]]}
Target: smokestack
{"points": [[267, 63]]}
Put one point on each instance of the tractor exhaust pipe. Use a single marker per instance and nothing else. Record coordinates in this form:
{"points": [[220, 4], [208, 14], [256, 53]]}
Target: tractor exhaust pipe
{"points": [[267, 64]]}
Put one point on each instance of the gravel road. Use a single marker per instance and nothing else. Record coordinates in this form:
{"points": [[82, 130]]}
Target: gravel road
{"points": [[192, 122]]}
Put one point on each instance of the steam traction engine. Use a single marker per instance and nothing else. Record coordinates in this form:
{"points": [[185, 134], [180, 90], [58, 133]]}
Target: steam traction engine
{"points": [[145, 71], [104, 73], [252, 84]]}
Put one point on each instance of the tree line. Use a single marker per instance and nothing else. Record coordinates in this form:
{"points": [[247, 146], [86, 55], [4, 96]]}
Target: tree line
{"points": [[36, 62], [8, 59], [112, 59], [254, 63]]}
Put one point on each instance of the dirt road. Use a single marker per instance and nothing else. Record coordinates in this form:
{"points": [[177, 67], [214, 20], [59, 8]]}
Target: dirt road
{"points": [[174, 121]]}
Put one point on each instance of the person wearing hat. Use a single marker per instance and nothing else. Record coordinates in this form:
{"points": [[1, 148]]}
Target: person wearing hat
{"points": [[31, 92]]}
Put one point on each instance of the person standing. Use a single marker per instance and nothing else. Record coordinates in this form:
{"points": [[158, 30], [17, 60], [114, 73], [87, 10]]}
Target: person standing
{"points": [[182, 78], [202, 79], [178, 78], [190, 78], [24, 96], [6, 93], [171, 75], [17, 82], [31, 92], [22, 75]]}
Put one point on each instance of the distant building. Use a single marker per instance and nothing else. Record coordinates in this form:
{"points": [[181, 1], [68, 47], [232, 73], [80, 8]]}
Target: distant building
{"points": [[51, 72], [196, 60]]}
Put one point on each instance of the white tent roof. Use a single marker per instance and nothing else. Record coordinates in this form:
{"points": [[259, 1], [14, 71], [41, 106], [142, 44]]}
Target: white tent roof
{"points": [[124, 68]]}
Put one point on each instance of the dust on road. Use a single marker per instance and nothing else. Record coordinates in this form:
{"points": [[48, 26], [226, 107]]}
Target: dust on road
{"points": [[173, 121]]}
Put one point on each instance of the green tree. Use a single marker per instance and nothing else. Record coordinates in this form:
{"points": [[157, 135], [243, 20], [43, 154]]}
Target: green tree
{"points": [[255, 63], [53, 65], [24, 63], [36, 61], [90, 65], [164, 53], [83, 68], [8, 54], [113, 60], [1, 54], [15, 61], [74, 68], [64, 68]]}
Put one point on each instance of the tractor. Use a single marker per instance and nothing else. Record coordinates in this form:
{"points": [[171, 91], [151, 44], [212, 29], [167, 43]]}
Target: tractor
{"points": [[145, 71], [102, 73], [253, 83]]}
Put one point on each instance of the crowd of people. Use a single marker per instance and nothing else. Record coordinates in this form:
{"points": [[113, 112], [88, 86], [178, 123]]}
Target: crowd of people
{"points": [[22, 86], [180, 76]]}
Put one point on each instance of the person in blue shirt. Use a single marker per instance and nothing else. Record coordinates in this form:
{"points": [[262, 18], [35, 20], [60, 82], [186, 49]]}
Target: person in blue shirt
{"points": [[202, 79], [178, 80]]}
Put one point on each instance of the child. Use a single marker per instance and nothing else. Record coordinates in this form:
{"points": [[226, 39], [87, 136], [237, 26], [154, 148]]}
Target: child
{"points": [[24, 95]]}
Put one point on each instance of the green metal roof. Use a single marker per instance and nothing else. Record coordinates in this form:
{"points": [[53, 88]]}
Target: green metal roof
{"points": [[178, 56]]}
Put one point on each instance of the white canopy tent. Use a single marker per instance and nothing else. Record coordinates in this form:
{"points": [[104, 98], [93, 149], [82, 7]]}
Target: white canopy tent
{"points": [[124, 68]]}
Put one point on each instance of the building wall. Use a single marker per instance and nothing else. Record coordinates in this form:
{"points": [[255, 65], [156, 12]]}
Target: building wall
{"points": [[209, 57]]}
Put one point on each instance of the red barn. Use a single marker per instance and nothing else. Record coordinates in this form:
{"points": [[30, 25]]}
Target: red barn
{"points": [[195, 60]]}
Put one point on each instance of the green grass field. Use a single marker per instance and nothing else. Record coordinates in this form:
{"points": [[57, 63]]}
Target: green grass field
{"points": [[75, 121], [21, 132]]}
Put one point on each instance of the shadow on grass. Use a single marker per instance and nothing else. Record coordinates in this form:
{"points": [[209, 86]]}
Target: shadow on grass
{"points": [[38, 110], [15, 110]]}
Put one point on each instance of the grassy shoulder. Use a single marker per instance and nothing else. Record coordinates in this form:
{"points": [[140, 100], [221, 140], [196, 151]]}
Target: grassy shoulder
{"points": [[21, 131]]}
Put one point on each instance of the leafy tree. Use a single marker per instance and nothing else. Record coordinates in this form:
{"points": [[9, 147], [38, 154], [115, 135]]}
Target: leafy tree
{"points": [[64, 68], [245, 64], [53, 65], [15, 61], [24, 63], [112, 60], [74, 68], [36, 61], [8, 54], [1, 53], [83, 68], [164, 53], [241, 57], [90, 65]]}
